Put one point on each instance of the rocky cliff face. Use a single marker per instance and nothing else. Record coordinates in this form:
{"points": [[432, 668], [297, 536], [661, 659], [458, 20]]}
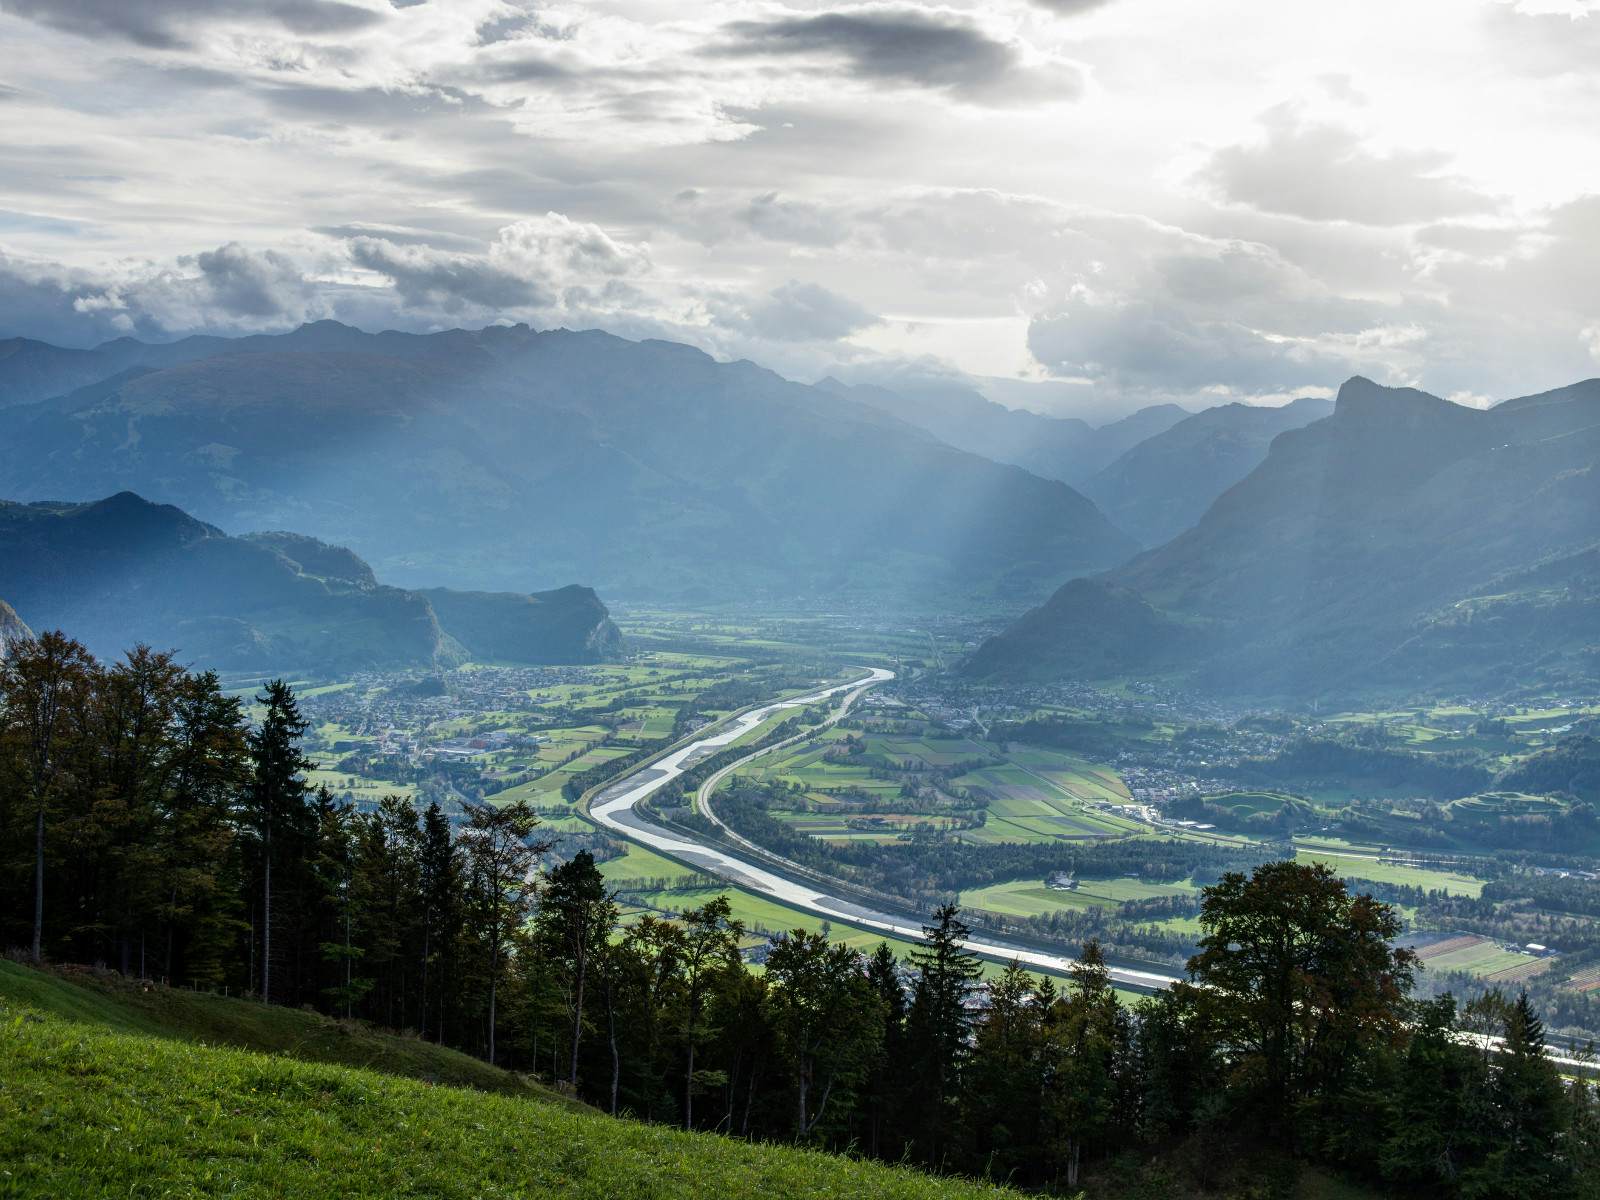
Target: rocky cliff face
{"points": [[12, 629]]}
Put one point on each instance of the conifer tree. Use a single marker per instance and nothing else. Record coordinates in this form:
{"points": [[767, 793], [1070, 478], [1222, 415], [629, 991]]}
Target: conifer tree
{"points": [[276, 803], [938, 1027]]}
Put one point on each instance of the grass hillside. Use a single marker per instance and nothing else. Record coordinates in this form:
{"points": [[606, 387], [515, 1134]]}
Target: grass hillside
{"points": [[90, 1110], [127, 1006]]}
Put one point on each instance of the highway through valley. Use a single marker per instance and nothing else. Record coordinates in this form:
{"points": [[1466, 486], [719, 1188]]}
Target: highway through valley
{"points": [[616, 807]]}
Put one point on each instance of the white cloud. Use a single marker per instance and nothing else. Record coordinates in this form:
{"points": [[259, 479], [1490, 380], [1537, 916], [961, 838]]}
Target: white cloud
{"points": [[1039, 188]]}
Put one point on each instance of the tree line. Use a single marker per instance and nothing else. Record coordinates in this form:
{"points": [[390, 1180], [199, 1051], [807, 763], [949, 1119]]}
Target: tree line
{"points": [[145, 822]]}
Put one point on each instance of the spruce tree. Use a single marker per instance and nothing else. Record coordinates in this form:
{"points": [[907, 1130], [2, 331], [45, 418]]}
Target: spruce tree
{"points": [[938, 1031], [276, 802]]}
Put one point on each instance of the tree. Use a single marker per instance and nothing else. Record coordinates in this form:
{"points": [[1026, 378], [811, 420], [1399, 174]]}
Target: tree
{"points": [[883, 1087], [276, 801], [575, 919], [1005, 1080], [46, 685], [1528, 1157], [209, 768], [709, 952], [1304, 980], [439, 884], [1086, 1040], [653, 978], [827, 1018], [1432, 1133], [500, 860], [938, 1027]]}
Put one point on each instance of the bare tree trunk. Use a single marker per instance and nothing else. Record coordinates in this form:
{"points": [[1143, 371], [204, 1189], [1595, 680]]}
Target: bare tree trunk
{"points": [[577, 1021], [427, 941], [493, 979], [688, 1087], [750, 1097], [611, 1030], [266, 927], [38, 885]]}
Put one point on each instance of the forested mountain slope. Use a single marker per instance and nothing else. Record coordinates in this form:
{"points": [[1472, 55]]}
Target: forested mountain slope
{"points": [[1404, 542], [1162, 486], [512, 458], [123, 570]]}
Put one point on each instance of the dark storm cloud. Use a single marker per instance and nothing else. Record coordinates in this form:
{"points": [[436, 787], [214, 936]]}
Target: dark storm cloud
{"points": [[168, 23], [1325, 173], [905, 46]]}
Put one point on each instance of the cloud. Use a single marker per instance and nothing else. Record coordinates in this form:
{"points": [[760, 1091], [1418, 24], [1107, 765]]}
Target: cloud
{"points": [[167, 24], [914, 47], [1164, 348], [230, 289], [544, 263], [784, 220], [802, 312], [1325, 173], [1071, 8], [441, 281], [246, 284], [1544, 44]]}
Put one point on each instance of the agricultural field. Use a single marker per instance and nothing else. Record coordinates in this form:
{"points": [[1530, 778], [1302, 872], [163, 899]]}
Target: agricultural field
{"points": [[1479, 956], [1357, 866], [881, 779], [1032, 897]]}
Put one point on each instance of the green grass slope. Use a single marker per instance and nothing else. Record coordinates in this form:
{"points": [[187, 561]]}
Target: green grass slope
{"points": [[128, 1006], [86, 1111]]}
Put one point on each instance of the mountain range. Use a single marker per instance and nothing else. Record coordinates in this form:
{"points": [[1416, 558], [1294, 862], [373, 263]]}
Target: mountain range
{"points": [[1065, 448], [1162, 485], [1403, 542], [509, 458], [123, 570]]}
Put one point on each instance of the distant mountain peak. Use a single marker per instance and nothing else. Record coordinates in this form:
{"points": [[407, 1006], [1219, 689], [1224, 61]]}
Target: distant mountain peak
{"points": [[1361, 399]]}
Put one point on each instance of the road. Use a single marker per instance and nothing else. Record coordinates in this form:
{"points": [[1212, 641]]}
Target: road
{"points": [[615, 808]]}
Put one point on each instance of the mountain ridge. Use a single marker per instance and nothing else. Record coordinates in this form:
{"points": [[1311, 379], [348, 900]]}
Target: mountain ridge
{"points": [[1374, 548], [517, 459], [122, 570]]}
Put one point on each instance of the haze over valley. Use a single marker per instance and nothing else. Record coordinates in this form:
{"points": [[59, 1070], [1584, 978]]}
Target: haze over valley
{"points": [[770, 599]]}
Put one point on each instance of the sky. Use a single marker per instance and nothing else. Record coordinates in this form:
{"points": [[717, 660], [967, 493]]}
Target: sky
{"points": [[1114, 202]]}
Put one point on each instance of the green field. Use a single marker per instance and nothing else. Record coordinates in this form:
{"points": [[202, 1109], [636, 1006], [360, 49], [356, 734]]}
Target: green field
{"points": [[1030, 897], [1032, 795], [1352, 866], [1479, 956]]}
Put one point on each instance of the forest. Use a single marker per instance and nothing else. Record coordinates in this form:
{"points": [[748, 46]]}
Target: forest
{"points": [[148, 821]]}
